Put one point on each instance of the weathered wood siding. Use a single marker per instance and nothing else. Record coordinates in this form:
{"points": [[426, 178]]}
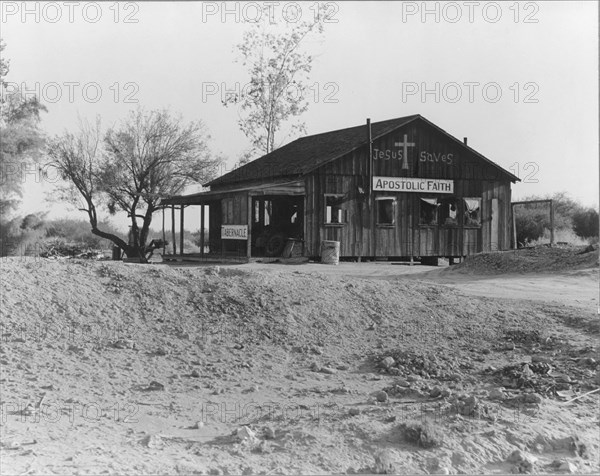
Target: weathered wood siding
{"points": [[235, 209], [501, 192], [230, 210], [215, 220], [433, 156]]}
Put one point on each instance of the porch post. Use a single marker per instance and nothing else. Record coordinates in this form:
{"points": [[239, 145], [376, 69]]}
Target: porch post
{"points": [[163, 229], [202, 230], [181, 230], [249, 243], [173, 229]]}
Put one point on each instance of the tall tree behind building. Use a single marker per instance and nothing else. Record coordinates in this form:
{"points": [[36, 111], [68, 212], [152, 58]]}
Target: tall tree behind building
{"points": [[279, 71]]}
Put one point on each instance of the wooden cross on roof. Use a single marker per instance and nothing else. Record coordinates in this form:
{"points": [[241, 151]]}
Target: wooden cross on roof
{"points": [[405, 145]]}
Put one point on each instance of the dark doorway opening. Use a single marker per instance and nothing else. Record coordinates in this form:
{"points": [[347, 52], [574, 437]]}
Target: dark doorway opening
{"points": [[275, 219]]}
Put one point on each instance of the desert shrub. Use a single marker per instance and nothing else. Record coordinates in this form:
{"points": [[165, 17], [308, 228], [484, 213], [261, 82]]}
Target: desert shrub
{"points": [[585, 223], [533, 221], [20, 236], [78, 231], [9, 230], [196, 237], [191, 240], [423, 433], [564, 210], [33, 221], [190, 246], [29, 235], [566, 235]]}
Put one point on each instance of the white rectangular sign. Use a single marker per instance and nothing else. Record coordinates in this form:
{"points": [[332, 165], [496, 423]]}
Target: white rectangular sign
{"points": [[234, 232], [407, 184]]}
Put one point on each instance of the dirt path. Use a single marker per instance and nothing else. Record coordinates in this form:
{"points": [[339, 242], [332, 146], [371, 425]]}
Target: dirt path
{"points": [[574, 288]]}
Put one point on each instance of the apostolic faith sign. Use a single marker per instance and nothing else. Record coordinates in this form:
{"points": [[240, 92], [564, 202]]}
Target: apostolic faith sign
{"points": [[406, 184], [234, 232]]}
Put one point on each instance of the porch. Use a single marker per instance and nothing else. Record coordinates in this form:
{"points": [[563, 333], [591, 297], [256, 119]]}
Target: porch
{"points": [[237, 225]]}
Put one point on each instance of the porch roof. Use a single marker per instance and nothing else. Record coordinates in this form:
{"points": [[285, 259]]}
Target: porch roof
{"points": [[203, 198]]}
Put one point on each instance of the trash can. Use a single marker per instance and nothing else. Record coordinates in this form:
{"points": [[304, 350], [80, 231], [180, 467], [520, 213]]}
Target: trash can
{"points": [[116, 253], [294, 248], [330, 252]]}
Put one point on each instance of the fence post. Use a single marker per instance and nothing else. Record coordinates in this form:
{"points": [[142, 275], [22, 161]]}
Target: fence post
{"points": [[514, 226], [551, 222]]}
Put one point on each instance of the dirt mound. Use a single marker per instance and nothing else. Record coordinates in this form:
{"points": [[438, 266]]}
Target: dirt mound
{"points": [[529, 260], [138, 369]]}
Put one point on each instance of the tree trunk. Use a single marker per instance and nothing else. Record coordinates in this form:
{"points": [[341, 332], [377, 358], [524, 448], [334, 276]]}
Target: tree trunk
{"points": [[134, 251], [109, 236]]}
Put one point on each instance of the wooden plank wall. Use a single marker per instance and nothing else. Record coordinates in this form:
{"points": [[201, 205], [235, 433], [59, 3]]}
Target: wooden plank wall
{"points": [[230, 210], [343, 177], [235, 209], [215, 220], [472, 177], [404, 239], [500, 191]]}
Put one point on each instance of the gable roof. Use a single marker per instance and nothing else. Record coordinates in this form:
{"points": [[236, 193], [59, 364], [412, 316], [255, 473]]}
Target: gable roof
{"points": [[311, 152]]}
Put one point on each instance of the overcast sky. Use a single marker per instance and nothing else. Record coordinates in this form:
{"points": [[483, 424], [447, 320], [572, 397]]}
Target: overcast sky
{"points": [[527, 73]]}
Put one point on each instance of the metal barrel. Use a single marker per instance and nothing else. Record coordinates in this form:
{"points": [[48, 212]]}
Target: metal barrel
{"points": [[330, 252]]}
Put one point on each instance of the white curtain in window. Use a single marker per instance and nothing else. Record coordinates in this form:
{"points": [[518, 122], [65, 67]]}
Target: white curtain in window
{"points": [[472, 204]]}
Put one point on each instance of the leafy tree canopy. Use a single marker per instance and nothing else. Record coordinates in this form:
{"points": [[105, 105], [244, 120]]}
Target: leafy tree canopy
{"points": [[279, 71], [22, 140]]}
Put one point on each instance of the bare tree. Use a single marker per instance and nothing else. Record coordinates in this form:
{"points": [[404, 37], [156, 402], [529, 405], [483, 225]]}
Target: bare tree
{"points": [[148, 157]]}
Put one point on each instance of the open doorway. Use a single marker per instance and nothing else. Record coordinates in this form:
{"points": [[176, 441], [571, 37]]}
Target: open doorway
{"points": [[275, 219]]}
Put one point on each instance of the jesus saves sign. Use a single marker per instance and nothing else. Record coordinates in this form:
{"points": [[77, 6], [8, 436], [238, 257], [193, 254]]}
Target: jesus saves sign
{"points": [[405, 184]]}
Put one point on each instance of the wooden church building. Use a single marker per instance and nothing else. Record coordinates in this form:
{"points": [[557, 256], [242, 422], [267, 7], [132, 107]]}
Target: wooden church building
{"points": [[401, 188]]}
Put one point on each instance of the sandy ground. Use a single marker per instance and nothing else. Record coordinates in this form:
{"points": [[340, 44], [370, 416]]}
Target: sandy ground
{"points": [[108, 367], [573, 287]]}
